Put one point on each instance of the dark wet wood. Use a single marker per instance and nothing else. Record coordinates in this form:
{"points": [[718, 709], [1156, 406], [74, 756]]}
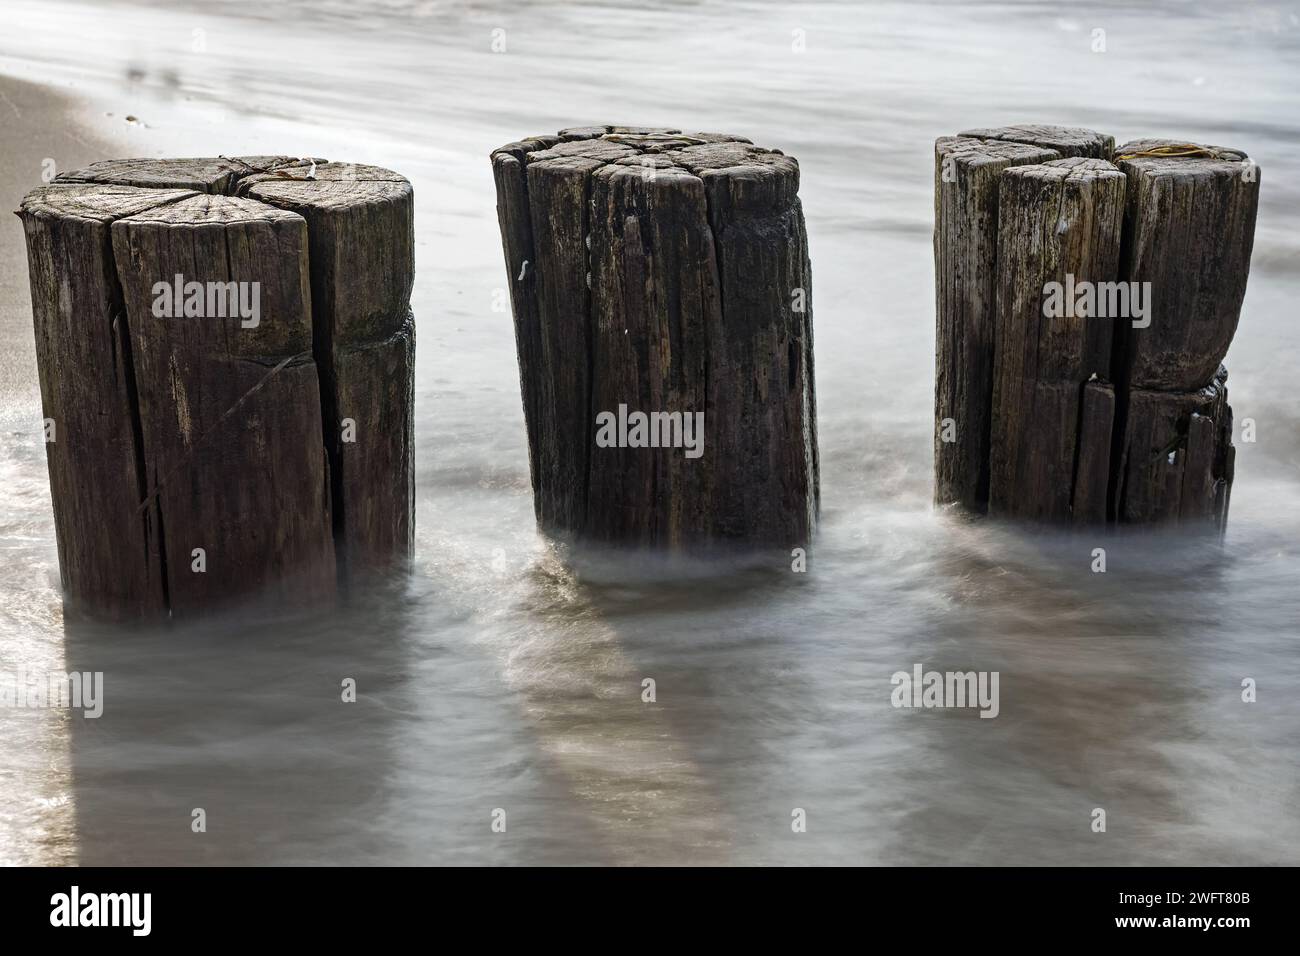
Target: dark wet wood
{"points": [[1092, 465], [361, 225], [109, 555], [1176, 456], [1189, 232], [967, 173], [1059, 219], [179, 433], [230, 415], [1062, 442], [658, 269]]}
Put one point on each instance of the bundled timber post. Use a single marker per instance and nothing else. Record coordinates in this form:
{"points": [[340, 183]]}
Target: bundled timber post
{"points": [[663, 317], [1096, 415], [178, 344]]}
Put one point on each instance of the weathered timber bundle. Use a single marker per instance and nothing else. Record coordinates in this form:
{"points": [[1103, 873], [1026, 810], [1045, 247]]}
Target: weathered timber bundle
{"points": [[660, 273], [191, 326], [1096, 290]]}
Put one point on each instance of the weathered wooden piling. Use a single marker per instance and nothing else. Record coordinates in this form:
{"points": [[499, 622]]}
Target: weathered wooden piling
{"points": [[193, 390], [1095, 415], [661, 273]]}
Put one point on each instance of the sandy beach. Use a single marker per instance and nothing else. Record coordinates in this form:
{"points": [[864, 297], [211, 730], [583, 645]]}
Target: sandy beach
{"points": [[41, 124]]}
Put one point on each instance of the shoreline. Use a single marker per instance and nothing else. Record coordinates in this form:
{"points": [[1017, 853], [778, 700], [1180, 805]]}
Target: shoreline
{"points": [[42, 124]]}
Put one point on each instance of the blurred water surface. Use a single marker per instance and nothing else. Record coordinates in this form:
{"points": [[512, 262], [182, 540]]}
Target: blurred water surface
{"points": [[507, 673]]}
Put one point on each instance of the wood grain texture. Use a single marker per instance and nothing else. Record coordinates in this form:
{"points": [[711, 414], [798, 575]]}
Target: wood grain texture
{"points": [[216, 174], [514, 217], [1091, 501], [109, 550], [1068, 141], [231, 415], [1189, 231], [762, 383], [1176, 457], [205, 431], [1057, 220], [361, 225], [1091, 419], [967, 173], [657, 269]]}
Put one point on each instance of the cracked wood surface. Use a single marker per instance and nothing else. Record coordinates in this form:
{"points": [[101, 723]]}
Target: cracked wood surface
{"points": [[1189, 232], [1061, 217], [658, 269], [109, 554], [1069, 141], [178, 433], [361, 223], [1064, 442], [967, 172], [250, 488], [209, 175], [1175, 456]]}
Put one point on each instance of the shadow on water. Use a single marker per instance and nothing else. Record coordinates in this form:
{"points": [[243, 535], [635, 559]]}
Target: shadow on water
{"points": [[658, 769], [241, 715], [1104, 680]]}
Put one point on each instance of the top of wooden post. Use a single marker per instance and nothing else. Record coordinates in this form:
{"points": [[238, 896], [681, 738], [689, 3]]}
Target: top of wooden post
{"points": [[99, 202], [1066, 140], [739, 178], [215, 174]]}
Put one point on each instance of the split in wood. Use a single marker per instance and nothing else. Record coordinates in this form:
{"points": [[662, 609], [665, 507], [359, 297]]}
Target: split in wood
{"points": [[1100, 413], [218, 433], [664, 272]]}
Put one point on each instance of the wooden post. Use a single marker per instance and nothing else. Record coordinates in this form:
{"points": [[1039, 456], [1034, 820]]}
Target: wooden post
{"points": [[1115, 417], [967, 173], [659, 273], [1058, 222], [178, 329]]}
